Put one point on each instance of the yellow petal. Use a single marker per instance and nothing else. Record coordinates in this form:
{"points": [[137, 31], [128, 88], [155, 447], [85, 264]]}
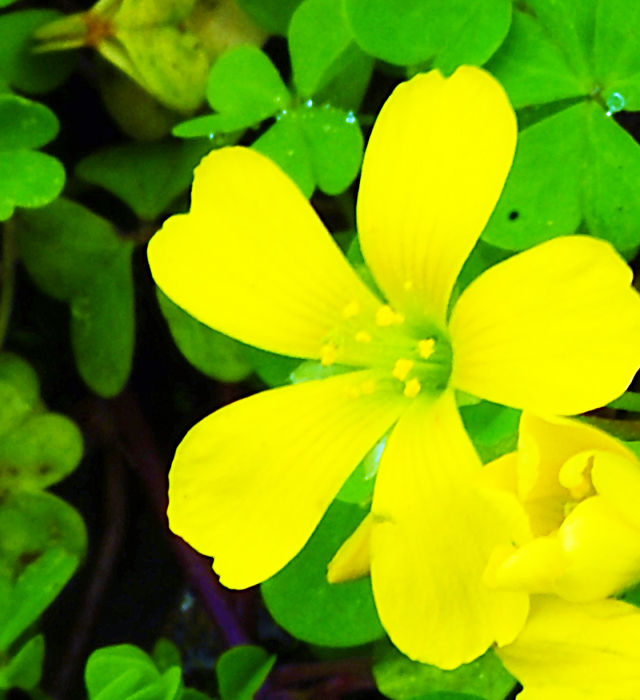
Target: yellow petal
{"points": [[435, 165], [253, 260], [353, 559], [249, 484], [555, 329], [577, 651], [550, 442], [603, 551], [616, 478], [432, 536]]}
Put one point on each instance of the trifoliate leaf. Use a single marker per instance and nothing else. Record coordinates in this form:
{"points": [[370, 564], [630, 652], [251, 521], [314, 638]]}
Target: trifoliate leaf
{"points": [[302, 601], [272, 15], [25, 667], [287, 146], [241, 671], [124, 666], [244, 83], [19, 390], [19, 66], [76, 256], [165, 655], [147, 176], [39, 452], [25, 124], [213, 353], [33, 523], [451, 33], [320, 43], [335, 146], [400, 678], [34, 590]]}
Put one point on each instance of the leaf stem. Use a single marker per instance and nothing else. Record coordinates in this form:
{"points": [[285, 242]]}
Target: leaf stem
{"points": [[8, 277]]}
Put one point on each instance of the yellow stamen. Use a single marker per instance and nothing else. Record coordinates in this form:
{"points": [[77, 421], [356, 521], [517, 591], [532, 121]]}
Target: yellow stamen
{"points": [[426, 348], [328, 354], [385, 316], [412, 388], [363, 337], [402, 368], [351, 309]]}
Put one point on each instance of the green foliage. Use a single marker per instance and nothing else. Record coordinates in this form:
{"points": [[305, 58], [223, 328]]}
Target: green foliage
{"points": [[77, 257], [241, 671], [125, 671], [449, 34], [273, 15], [27, 178], [25, 667], [574, 164], [316, 145], [493, 428], [37, 448], [358, 488], [147, 176], [213, 353], [24, 600], [306, 605], [19, 66], [400, 678], [274, 370]]}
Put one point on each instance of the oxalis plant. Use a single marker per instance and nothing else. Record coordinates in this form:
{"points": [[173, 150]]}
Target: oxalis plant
{"points": [[319, 336]]}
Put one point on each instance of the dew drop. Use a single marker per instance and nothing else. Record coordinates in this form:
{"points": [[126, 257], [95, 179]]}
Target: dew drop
{"points": [[350, 118], [309, 103], [615, 103]]}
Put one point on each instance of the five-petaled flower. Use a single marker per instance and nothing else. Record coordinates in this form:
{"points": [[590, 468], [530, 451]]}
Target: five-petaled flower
{"points": [[555, 330]]}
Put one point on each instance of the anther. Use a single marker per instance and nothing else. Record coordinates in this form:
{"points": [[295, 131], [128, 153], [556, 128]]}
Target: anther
{"points": [[328, 354], [402, 368], [426, 348], [362, 337], [412, 388], [385, 316], [351, 309]]}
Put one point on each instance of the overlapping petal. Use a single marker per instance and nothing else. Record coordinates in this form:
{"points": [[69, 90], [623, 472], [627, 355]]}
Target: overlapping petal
{"points": [[432, 535], [577, 651], [434, 168], [253, 260], [555, 329], [250, 482]]}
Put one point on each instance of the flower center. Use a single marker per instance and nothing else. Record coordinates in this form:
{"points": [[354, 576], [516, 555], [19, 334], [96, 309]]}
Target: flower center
{"points": [[414, 354]]}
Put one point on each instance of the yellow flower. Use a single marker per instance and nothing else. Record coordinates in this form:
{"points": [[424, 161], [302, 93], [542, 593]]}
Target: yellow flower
{"points": [[580, 490], [554, 330], [577, 651]]}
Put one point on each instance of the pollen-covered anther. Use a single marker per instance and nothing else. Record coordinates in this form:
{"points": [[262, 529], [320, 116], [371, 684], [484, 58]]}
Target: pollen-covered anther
{"points": [[412, 388], [402, 368], [362, 337], [386, 316], [328, 354], [426, 348], [351, 309]]}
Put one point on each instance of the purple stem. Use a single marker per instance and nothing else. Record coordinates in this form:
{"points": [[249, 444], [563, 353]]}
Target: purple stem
{"points": [[145, 460]]}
